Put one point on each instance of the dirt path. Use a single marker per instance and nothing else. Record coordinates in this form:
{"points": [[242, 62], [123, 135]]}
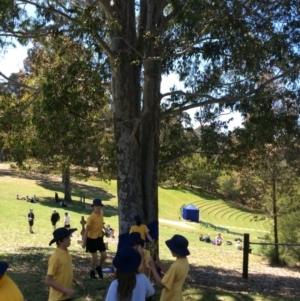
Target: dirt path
{"points": [[180, 224]]}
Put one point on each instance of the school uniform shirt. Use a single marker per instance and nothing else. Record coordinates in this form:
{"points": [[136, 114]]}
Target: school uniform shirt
{"points": [[30, 216], [142, 229], [9, 290], [60, 267], [146, 256], [95, 221], [174, 279], [142, 290], [67, 220]]}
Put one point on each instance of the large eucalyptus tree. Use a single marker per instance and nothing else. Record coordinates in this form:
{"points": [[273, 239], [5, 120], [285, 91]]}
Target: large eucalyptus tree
{"points": [[219, 49]]}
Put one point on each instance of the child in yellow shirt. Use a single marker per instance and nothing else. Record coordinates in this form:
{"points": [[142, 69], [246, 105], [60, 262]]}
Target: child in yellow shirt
{"points": [[8, 289], [141, 228], [175, 275], [60, 270], [93, 238]]}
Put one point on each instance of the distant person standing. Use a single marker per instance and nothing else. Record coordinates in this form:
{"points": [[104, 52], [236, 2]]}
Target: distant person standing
{"points": [[54, 218], [67, 221], [30, 219], [56, 198]]}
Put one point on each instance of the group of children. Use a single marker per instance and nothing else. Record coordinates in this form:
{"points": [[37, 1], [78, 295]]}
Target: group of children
{"points": [[132, 262], [217, 241], [28, 199]]}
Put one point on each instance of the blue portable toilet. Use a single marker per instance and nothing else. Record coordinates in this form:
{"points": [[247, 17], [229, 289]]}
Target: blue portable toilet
{"points": [[191, 213]]}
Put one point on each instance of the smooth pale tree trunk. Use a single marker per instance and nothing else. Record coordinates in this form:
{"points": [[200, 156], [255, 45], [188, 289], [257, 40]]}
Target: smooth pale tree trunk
{"points": [[136, 118], [150, 140], [126, 100]]}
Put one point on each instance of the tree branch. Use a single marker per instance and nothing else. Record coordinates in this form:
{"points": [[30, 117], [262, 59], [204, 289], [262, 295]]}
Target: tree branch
{"points": [[225, 99], [50, 9], [171, 160], [16, 84], [105, 4]]}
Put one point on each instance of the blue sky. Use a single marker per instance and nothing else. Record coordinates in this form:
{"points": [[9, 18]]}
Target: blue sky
{"points": [[12, 61]]}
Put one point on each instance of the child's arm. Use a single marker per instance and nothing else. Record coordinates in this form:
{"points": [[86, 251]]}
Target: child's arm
{"points": [[50, 282], [154, 272], [149, 236], [87, 229], [78, 283], [145, 269], [162, 266]]}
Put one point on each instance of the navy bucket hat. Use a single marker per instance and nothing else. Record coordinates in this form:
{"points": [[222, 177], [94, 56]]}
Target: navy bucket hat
{"points": [[127, 259], [134, 238], [178, 244], [97, 202], [137, 218], [3, 267], [61, 233]]}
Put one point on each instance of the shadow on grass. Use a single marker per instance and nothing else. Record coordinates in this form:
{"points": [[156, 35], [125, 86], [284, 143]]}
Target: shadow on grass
{"points": [[28, 269], [199, 193], [77, 206], [78, 190]]}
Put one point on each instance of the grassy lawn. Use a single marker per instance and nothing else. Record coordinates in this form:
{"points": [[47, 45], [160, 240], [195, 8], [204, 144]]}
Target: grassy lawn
{"points": [[28, 253]]}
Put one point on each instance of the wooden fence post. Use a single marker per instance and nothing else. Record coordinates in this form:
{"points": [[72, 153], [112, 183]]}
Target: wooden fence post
{"points": [[246, 255]]}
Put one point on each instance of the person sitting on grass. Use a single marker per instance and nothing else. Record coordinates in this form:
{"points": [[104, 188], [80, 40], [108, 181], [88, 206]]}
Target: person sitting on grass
{"points": [[176, 274], [8, 289], [109, 232], [218, 240], [207, 238], [238, 245], [60, 270], [129, 283]]}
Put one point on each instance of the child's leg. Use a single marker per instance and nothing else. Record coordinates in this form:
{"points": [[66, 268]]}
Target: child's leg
{"points": [[102, 257], [93, 261]]}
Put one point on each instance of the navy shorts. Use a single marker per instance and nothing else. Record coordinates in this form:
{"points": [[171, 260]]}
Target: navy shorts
{"points": [[94, 245], [30, 223]]}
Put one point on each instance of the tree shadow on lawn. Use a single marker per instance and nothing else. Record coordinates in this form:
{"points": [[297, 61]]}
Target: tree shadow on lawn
{"points": [[202, 194], [78, 190], [28, 268], [77, 206], [231, 280]]}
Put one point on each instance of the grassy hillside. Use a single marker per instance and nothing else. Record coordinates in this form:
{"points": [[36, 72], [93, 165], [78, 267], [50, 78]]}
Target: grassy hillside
{"points": [[28, 253]]}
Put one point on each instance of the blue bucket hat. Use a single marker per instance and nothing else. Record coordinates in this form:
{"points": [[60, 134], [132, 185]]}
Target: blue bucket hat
{"points": [[97, 202], [3, 267], [61, 233], [134, 238], [137, 218], [178, 244], [127, 259]]}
